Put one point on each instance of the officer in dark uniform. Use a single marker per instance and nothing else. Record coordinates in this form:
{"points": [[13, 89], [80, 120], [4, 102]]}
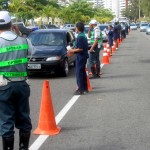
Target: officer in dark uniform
{"points": [[81, 51], [96, 40], [14, 90]]}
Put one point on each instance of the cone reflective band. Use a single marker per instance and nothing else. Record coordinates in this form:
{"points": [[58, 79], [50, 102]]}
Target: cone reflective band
{"points": [[14, 74], [14, 48], [13, 62], [105, 54]]}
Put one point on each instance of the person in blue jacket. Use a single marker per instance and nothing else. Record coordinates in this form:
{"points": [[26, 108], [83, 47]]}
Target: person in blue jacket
{"points": [[115, 35], [81, 50], [110, 37]]}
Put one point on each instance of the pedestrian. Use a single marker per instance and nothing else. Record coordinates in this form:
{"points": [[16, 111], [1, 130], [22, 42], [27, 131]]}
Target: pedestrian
{"points": [[119, 32], [95, 36], [14, 90], [126, 28], [123, 31], [81, 51], [110, 37], [116, 34]]}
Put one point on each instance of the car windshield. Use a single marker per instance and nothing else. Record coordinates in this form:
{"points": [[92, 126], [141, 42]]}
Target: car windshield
{"points": [[102, 28], [144, 24], [132, 24], [47, 38]]}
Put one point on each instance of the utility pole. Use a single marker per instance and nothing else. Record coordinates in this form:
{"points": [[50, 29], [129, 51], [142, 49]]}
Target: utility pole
{"points": [[139, 9]]}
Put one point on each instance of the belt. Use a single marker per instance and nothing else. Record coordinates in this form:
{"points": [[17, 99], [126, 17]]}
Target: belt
{"points": [[16, 79]]}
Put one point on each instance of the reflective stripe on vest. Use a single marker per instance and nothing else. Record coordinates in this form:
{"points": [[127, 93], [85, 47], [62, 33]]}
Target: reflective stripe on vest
{"points": [[13, 57], [13, 48], [14, 74], [92, 38], [13, 62]]}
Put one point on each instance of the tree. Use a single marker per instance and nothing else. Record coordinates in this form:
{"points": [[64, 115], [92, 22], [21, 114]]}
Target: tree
{"points": [[132, 11], [145, 4], [4, 4]]}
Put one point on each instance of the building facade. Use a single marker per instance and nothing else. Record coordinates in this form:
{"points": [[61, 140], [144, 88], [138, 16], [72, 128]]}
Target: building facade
{"points": [[97, 3], [116, 6]]}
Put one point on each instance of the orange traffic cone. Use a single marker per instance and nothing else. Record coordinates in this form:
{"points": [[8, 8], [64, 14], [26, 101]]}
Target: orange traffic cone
{"points": [[47, 123], [105, 59], [88, 81], [108, 52]]}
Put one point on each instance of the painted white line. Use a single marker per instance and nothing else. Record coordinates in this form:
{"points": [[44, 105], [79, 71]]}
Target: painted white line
{"points": [[42, 138]]}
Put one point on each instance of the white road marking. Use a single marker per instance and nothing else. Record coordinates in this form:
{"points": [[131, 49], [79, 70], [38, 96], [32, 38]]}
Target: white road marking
{"points": [[42, 138]]}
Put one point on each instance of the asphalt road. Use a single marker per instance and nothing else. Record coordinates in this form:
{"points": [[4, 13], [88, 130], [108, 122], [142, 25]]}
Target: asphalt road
{"points": [[115, 115]]}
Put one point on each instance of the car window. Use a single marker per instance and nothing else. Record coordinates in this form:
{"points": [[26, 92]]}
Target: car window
{"points": [[68, 38], [144, 24], [47, 38], [132, 25], [72, 36]]}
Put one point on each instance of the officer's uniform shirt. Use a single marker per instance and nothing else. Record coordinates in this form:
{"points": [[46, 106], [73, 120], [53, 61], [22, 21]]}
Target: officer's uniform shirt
{"points": [[97, 33], [8, 35], [82, 43]]}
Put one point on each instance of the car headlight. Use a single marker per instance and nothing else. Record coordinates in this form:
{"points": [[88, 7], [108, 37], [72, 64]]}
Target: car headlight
{"points": [[53, 58]]}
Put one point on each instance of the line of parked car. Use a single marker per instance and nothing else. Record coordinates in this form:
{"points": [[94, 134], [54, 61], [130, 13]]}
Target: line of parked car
{"points": [[50, 47], [143, 27]]}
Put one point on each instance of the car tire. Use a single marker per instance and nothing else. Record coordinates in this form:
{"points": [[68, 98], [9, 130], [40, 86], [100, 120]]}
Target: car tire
{"points": [[63, 70]]}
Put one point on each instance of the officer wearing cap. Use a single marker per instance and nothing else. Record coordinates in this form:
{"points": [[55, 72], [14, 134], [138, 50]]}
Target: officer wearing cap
{"points": [[96, 41], [14, 90]]}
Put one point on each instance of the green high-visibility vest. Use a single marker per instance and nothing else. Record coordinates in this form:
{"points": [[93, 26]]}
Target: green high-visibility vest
{"points": [[13, 57], [92, 37]]}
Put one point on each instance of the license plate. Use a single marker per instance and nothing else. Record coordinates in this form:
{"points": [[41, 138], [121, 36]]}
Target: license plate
{"points": [[34, 66]]}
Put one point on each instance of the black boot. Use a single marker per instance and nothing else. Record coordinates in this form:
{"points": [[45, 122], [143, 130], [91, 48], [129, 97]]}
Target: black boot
{"points": [[24, 140], [93, 73], [8, 143], [98, 72]]}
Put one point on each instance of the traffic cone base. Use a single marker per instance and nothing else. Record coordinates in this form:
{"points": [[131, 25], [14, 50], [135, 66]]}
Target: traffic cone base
{"points": [[48, 132]]}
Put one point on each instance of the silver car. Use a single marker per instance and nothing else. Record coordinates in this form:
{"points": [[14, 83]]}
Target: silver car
{"points": [[143, 27], [148, 30], [133, 26]]}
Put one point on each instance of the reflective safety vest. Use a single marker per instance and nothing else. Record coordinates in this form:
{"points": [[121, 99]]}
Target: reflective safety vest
{"points": [[13, 57], [92, 37]]}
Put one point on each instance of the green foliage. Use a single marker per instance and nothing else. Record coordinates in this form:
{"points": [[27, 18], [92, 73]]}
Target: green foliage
{"points": [[84, 11], [77, 11], [4, 4], [146, 7]]}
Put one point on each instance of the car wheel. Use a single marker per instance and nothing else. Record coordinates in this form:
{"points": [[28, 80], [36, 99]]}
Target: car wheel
{"points": [[65, 68]]}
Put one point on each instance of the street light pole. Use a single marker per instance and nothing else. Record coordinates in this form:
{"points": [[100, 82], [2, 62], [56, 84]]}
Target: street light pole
{"points": [[139, 9]]}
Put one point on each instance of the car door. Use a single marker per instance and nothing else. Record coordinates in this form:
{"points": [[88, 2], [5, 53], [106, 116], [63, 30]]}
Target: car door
{"points": [[70, 39]]}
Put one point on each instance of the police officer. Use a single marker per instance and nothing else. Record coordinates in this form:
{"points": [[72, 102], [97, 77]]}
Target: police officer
{"points": [[14, 90], [96, 41]]}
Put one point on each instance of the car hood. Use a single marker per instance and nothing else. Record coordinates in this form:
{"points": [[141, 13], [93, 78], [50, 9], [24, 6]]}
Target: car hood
{"points": [[144, 27], [148, 28], [49, 51]]}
